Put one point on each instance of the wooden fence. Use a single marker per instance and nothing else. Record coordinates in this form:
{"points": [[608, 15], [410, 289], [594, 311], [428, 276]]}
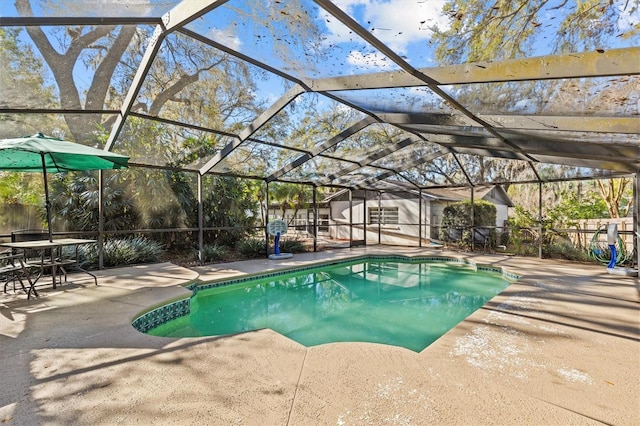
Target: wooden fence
{"points": [[588, 230]]}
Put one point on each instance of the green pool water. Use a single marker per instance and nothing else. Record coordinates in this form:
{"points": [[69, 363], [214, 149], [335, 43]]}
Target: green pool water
{"points": [[394, 303]]}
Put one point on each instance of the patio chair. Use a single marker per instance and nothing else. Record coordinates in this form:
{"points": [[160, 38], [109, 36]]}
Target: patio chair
{"points": [[12, 269], [483, 237]]}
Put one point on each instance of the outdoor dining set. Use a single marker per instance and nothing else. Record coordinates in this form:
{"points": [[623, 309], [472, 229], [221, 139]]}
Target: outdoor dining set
{"points": [[31, 255]]}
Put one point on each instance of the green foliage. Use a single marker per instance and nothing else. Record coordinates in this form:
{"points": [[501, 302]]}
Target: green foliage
{"points": [[230, 204], [252, 247], [522, 218], [25, 83], [75, 199], [564, 250], [140, 198], [522, 232], [457, 223], [564, 213], [120, 252], [21, 188], [292, 246], [214, 252], [571, 207], [478, 30], [290, 196], [524, 242], [463, 41]]}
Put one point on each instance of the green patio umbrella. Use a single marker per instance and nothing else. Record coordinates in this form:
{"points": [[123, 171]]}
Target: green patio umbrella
{"points": [[40, 153]]}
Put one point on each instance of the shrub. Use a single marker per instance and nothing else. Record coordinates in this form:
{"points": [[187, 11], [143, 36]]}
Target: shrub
{"points": [[119, 252], [292, 246], [252, 247], [214, 252], [563, 250]]}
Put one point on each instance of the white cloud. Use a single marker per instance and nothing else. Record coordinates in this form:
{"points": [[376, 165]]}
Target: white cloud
{"points": [[394, 22], [226, 38], [336, 31]]}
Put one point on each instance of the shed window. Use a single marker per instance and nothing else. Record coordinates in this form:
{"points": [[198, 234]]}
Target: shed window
{"points": [[383, 215]]}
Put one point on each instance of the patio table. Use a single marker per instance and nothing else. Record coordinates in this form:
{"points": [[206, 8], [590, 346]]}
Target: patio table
{"points": [[53, 259]]}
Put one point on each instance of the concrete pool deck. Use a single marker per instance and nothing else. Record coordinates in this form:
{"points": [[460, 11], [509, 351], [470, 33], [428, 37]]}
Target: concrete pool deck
{"points": [[560, 346]]}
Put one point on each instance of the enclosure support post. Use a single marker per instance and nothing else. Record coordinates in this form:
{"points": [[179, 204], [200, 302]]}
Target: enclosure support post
{"points": [[364, 216], [473, 222], [315, 219], [420, 218], [379, 217], [350, 218], [266, 219], [636, 217], [540, 220], [100, 220], [200, 222]]}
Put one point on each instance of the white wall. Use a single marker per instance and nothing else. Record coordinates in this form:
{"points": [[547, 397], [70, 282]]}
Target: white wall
{"points": [[404, 233], [299, 219], [502, 215]]}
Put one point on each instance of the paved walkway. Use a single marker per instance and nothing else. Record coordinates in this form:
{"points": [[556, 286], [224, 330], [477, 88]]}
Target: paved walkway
{"points": [[561, 346]]}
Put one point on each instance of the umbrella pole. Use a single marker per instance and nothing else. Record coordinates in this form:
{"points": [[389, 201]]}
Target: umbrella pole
{"points": [[47, 203]]}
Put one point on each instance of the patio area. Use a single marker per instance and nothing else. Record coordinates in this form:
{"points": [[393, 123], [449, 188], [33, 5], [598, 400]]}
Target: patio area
{"points": [[560, 346]]}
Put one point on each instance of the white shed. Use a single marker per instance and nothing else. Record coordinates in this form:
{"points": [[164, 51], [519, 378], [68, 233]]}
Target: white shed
{"points": [[394, 217]]}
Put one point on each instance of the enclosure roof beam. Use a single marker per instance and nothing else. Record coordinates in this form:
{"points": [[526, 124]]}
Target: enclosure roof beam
{"points": [[614, 62], [57, 111], [408, 165], [242, 56], [370, 159], [187, 11], [397, 59], [463, 170], [534, 145], [615, 157], [452, 142], [596, 164], [59, 21], [183, 13], [322, 147], [596, 124], [255, 125]]}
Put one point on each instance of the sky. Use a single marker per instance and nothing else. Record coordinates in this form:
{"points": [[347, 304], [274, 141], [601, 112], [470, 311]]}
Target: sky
{"points": [[403, 25]]}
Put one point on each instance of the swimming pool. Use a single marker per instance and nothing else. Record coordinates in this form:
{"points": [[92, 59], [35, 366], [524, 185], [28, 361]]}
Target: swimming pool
{"points": [[408, 303]]}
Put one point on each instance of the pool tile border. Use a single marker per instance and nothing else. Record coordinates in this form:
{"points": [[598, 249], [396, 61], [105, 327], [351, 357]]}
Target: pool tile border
{"points": [[161, 315], [156, 317]]}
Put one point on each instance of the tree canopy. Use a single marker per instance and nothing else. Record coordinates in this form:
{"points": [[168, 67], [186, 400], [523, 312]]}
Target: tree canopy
{"points": [[493, 30]]}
